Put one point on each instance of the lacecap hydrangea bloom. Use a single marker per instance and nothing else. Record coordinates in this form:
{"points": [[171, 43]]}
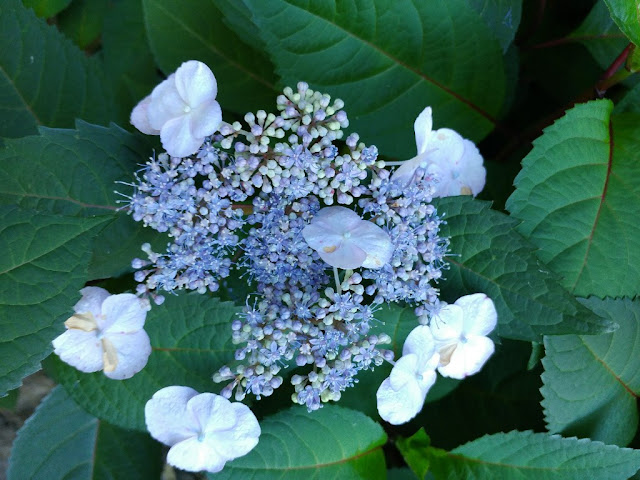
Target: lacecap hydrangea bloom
{"points": [[106, 333], [455, 162], [317, 225], [203, 430]]}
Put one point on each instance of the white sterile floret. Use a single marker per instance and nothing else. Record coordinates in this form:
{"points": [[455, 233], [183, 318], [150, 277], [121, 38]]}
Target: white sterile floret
{"points": [[460, 330], [182, 109], [344, 240], [401, 395], [106, 333], [203, 430], [453, 160]]}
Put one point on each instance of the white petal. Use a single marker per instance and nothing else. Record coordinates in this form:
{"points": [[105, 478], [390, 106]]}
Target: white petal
{"points": [[166, 415], [194, 456], [404, 173], [422, 128], [420, 342], [196, 83], [404, 371], [91, 301], [205, 119], [472, 172], [211, 412], [447, 325], [468, 358], [166, 103], [123, 313], [133, 353], [399, 406], [82, 350], [238, 440], [375, 242], [177, 139], [140, 117], [480, 315]]}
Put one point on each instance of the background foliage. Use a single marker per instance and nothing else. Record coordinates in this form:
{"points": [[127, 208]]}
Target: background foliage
{"points": [[547, 89]]}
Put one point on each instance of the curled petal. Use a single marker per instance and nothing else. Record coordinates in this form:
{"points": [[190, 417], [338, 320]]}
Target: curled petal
{"points": [[177, 139], [133, 350], [195, 83], [91, 301], [140, 117], [79, 349], [472, 172], [422, 128], [166, 415]]}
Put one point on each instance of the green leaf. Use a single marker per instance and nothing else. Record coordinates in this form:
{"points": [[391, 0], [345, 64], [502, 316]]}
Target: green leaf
{"points": [[46, 8], [42, 267], [82, 21], [388, 60], [190, 338], [525, 455], [591, 383], [630, 102], [489, 256], [626, 13], [600, 35], [44, 79], [501, 16], [413, 449], [332, 442], [577, 199], [76, 175], [245, 76], [62, 441]]}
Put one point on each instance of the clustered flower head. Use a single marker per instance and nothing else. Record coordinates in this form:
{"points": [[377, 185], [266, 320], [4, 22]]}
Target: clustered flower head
{"points": [[106, 333]]}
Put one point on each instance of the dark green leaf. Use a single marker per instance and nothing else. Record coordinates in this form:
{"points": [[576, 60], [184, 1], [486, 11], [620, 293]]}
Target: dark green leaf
{"points": [[62, 441], [413, 450], [191, 339], [489, 256], [46, 8], [388, 60], [82, 21], [626, 13], [177, 34], [577, 199], [332, 442], [501, 16], [600, 34], [76, 175], [42, 267], [527, 455], [44, 79], [591, 383], [630, 102]]}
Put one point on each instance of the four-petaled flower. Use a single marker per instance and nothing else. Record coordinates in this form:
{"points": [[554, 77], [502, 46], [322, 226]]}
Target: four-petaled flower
{"points": [[344, 240], [203, 430], [460, 330], [106, 333], [401, 395], [455, 161], [182, 109]]}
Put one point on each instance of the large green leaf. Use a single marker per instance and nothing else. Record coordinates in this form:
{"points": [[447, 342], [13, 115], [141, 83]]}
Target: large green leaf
{"points": [[191, 339], [245, 76], [600, 34], [44, 79], [626, 13], [388, 60], [501, 16], [62, 441], [489, 256], [630, 102], [42, 267], [76, 175], [522, 455], [82, 21], [591, 383], [578, 200], [46, 8], [332, 442]]}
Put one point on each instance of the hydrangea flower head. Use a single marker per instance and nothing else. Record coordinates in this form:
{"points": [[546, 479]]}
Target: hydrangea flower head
{"points": [[460, 333], [454, 160], [344, 240], [401, 395], [182, 109], [203, 430], [106, 333]]}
